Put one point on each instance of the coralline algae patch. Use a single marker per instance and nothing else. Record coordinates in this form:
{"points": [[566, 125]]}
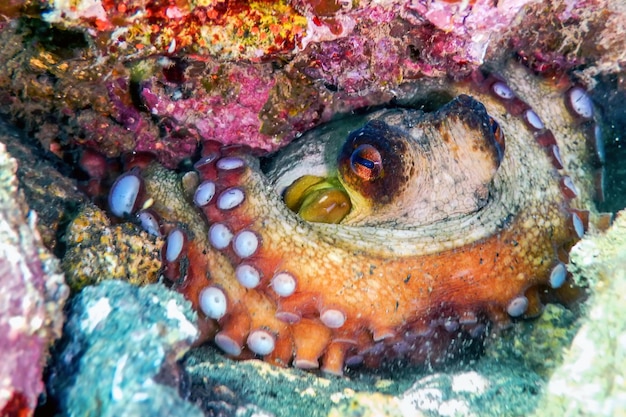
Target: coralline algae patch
{"points": [[139, 76], [232, 30], [586, 39], [226, 102], [164, 105], [99, 251]]}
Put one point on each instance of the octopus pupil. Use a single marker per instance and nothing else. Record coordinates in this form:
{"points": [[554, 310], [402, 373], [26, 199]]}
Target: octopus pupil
{"points": [[365, 162]]}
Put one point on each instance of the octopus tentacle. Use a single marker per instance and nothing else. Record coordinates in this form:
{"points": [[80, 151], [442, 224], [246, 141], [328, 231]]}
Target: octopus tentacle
{"points": [[460, 220]]}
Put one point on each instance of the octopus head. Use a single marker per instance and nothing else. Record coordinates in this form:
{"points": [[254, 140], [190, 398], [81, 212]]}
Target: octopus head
{"points": [[405, 167]]}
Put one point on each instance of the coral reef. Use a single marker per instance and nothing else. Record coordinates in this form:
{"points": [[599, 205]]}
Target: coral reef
{"points": [[32, 295], [134, 76]]}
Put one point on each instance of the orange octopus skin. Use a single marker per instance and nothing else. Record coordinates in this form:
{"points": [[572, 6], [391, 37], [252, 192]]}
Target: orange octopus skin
{"points": [[512, 182]]}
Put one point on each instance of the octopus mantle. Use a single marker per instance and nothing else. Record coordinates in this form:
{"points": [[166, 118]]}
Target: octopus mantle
{"points": [[466, 224]]}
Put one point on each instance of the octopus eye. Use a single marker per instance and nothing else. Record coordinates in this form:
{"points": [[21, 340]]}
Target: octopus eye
{"points": [[366, 162]]}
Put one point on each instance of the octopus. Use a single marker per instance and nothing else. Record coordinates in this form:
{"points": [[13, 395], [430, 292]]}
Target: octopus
{"points": [[407, 233]]}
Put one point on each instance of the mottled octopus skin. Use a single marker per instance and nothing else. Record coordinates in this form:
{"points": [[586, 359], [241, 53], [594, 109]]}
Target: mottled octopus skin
{"points": [[380, 286]]}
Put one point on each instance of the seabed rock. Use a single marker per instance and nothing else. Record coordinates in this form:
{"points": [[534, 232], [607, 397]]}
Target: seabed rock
{"points": [[592, 379], [119, 352], [32, 295]]}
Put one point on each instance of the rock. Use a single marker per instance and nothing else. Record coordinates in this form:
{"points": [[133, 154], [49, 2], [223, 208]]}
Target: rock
{"points": [[97, 250], [481, 387], [143, 76], [32, 296], [45, 183], [119, 352], [591, 381]]}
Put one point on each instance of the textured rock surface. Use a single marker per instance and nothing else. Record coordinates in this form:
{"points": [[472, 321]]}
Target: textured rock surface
{"points": [[44, 181], [32, 295], [119, 352], [507, 381], [97, 250], [591, 381], [134, 75]]}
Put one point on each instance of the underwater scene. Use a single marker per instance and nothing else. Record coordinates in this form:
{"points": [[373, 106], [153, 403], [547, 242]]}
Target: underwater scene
{"points": [[324, 208]]}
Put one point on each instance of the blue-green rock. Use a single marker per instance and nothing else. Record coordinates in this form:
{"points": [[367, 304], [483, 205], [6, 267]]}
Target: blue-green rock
{"points": [[119, 340]]}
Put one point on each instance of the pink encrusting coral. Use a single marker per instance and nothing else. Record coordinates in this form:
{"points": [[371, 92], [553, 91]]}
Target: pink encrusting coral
{"points": [[134, 75], [228, 111]]}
